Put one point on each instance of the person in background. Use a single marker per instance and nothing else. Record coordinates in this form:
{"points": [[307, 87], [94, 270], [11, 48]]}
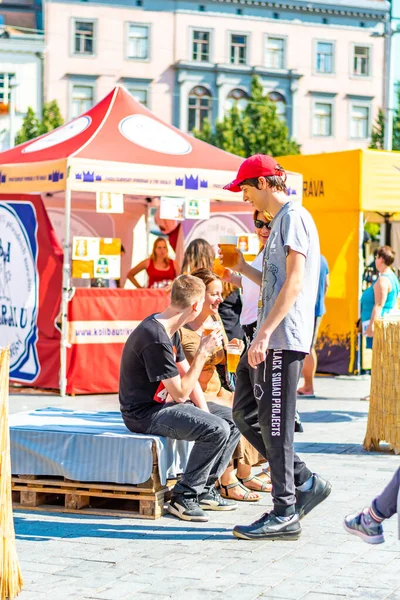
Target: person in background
{"points": [[310, 361], [367, 524], [381, 297], [199, 254], [214, 381], [161, 269]]}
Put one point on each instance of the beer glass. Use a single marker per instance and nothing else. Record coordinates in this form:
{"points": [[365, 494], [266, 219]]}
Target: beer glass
{"points": [[228, 244]]}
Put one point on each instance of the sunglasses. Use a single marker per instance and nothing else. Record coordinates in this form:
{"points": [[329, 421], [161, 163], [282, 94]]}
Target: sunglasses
{"points": [[260, 224]]}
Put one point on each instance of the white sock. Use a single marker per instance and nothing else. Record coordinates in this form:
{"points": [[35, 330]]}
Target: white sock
{"points": [[307, 485]]}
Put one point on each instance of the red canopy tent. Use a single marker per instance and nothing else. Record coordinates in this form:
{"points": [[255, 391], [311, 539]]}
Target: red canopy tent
{"points": [[117, 146]]}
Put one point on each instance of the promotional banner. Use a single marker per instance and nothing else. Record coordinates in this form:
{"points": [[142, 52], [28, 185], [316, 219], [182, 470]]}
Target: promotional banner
{"points": [[30, 290], [96, 339]]}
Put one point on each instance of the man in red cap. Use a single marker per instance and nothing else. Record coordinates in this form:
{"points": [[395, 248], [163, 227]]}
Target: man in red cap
{"points": [[265, 402]]}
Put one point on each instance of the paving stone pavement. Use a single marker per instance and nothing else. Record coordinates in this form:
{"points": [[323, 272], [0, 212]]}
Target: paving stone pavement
{"points": [[77, 557]]}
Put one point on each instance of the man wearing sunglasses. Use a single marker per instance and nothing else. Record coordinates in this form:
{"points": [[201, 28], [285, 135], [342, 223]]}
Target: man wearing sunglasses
{"points": [[264, 408]]}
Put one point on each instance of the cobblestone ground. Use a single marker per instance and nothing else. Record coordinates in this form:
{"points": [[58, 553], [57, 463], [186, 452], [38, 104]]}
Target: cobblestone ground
{"points": [[78, 557]]}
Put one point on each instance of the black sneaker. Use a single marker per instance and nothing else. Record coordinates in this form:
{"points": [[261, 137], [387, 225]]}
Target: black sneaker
{"points": [[213, 500], [270, 527], [298, 425], [186, 508], [306, 501]]}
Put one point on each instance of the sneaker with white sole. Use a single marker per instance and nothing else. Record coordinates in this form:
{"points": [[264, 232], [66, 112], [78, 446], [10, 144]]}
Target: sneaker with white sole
{"points": [[213, 500], [270, 527], [186, 508], [364, 526]]}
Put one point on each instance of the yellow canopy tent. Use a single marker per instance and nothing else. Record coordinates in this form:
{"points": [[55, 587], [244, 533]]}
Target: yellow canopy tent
{"points": [[341, 190]]}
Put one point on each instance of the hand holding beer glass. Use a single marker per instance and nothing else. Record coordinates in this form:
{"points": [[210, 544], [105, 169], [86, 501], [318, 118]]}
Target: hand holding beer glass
{"points": [[231, 257], [210, 326]]}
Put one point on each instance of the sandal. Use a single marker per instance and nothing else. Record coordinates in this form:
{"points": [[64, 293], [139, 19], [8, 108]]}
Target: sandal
{"points": [[225, 492], [265, 485]]}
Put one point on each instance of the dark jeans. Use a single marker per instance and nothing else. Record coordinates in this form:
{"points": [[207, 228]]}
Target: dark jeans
{"points": [[386, 504], [215, 437], [264, 409]]}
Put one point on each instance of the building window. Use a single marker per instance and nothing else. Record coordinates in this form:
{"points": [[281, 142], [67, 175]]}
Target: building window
{"points": [[140, 94], [238, 49], [322, 119], [199, 107], [324, 58], [82, 99], [84, 37], [275, 53], [138, 42], [280, 104], [361, 63], [359, 122], [238, 98], [201, 46], [5, 87]]}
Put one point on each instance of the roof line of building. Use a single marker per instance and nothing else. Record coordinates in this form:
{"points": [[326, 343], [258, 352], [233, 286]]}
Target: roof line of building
{"points": [[356, 8]]}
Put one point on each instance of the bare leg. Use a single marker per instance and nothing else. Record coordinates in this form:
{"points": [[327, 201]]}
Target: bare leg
{"points": [[309, 369], [237, 492]]}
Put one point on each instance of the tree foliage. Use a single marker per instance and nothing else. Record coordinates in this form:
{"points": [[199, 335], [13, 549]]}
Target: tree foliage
{"points": [[32, 127], [255, 129], [378, 129]]}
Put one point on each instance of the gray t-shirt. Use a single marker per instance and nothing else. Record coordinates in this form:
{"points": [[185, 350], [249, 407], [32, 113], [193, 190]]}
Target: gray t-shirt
{"points": [[292, 228]]}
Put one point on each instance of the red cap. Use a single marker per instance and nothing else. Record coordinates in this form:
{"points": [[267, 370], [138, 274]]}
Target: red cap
{"points": [[259, 165]]}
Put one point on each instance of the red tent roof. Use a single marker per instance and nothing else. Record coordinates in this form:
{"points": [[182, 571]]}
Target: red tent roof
{"points": [[119, 129]]}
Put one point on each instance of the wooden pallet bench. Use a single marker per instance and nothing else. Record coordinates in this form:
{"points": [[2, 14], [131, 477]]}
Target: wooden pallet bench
{"points": [[57, 494]]}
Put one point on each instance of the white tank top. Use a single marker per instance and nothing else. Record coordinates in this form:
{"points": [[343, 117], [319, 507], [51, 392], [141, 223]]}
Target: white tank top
{"points": [[251, 292]]}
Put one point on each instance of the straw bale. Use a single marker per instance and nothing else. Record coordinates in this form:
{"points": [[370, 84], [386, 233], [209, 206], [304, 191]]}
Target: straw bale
{"points": [[384, 408], [10, 574]]}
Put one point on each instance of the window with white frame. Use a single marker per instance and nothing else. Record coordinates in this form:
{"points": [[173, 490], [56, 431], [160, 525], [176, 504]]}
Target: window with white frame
{"points": [[359, 121], [238, 49], [82, 99], [322, 119], [238, 98], [84, 37], [199, 107], [324, 57], [361, 61], [275, 52], [5, 87], [280, 104], [138, 41], [201, 46], [140, 94]]}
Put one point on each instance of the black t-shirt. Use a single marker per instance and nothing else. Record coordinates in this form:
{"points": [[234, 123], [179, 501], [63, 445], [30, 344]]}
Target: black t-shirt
{"points": [[230, 311], [149, 356]]}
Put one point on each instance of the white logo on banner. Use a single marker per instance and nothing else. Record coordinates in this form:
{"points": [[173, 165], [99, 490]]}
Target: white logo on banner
{"points": [[62, 134], [18, 294], [152, 135]]}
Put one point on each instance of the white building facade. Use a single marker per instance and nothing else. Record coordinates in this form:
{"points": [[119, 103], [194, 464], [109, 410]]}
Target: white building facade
{"points": [[21, 78], [187, 61]]}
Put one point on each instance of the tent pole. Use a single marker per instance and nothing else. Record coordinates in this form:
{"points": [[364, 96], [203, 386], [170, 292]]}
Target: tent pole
{"points": [[66, 285]]}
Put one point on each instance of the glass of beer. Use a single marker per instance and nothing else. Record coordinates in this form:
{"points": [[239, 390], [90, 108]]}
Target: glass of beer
{"points": [[209, 325], [233, 353], [228, 245], [218, 267]]}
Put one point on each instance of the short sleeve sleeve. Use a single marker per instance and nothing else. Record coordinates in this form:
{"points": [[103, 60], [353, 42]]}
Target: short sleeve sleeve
{"points": [[294, 233], [180, 355], [159, 361]]}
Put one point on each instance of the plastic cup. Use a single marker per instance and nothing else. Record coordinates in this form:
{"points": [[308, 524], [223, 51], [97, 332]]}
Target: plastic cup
{"points": [[209, 326], [228, 245], [233, 354]]}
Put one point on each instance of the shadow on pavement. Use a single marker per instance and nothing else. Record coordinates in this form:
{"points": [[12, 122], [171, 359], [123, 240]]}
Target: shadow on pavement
{"points": [[28, 529], [331, 416]]}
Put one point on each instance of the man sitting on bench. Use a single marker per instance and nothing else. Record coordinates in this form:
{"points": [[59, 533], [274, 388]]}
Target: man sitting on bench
{"points": [[156, 383]]}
